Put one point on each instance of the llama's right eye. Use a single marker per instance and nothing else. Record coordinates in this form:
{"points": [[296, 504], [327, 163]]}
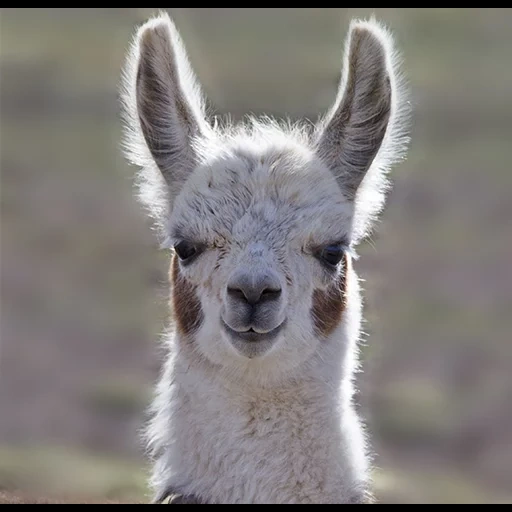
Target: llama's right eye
{"points": [[186, 251]]}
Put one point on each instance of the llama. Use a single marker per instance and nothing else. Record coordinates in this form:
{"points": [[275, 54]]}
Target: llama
{"points": [[255, 403]]}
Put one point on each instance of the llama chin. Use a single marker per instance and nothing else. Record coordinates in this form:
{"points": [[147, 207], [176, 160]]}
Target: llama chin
{"points": [[255, 403]]}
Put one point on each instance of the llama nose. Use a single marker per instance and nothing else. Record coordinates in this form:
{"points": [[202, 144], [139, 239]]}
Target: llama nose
{"points": [[254, 290]]}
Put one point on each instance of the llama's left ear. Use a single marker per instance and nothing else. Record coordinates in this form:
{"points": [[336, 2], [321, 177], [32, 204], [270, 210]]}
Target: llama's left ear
{"points": [[164, 114], [363, 134]]}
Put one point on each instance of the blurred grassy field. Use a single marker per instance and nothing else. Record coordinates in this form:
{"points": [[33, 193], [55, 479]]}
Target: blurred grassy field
{"points": [[83, 287]]}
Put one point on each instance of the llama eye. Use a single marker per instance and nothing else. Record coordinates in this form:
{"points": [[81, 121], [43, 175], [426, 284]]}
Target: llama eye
{"points": [[331, 254], [186, 251]]}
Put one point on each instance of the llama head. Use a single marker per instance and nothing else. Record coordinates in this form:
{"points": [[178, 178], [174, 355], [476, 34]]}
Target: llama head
{"points": [[262, 217]]}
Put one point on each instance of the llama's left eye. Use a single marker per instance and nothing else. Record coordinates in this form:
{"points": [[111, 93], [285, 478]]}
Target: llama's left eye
{"points": [[331, 254], [186, 251]]}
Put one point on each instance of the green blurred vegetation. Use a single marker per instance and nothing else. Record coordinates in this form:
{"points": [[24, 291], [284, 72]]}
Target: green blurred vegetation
{"points": [[53, 471], [84, 288]]}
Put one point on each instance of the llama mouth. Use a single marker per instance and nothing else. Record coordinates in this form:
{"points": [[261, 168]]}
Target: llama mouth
{"points": [[251, 335]]}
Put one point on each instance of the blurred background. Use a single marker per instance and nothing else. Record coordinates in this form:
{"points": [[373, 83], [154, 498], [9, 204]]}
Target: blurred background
{"points": [[83, 285]]}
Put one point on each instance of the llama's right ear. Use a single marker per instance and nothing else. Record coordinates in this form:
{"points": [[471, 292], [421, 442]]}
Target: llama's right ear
{"points": [[164, 113]]}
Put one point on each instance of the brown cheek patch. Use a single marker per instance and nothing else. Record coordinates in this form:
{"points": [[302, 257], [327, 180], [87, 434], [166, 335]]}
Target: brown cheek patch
{"points": [[188, 314], [328, 305]]}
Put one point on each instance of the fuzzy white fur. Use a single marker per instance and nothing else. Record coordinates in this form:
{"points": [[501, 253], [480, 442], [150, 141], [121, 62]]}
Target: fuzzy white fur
{"points": [[281, 427]]}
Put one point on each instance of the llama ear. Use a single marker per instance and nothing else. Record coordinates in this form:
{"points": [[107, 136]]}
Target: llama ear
{"points": [[362, 134], [164, 113]]}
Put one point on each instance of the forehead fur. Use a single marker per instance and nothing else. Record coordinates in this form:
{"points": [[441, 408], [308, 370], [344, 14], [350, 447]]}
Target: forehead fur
{"points": [[255, 176]]}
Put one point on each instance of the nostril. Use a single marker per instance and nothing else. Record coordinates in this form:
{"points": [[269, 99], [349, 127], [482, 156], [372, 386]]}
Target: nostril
{"points": [[270, 294], [253, 291], [236, 293]]}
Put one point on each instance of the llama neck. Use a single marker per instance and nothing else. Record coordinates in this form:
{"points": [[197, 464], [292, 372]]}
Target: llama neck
{"points": [[232, 442]]}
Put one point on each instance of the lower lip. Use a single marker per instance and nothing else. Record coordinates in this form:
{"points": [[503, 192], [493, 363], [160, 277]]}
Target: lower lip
{"points": [[252, 336]]}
